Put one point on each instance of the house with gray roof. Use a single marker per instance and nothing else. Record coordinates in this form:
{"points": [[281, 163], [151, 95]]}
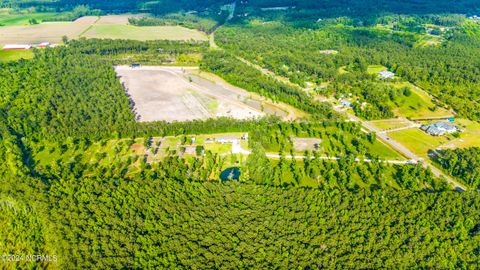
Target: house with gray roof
{"points": [[440, 128]]}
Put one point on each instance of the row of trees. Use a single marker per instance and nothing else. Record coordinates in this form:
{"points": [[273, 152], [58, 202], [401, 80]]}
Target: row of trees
{"points": [[240, 74]]}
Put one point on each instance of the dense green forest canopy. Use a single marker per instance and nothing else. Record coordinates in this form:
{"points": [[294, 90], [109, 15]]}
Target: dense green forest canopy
{"points": [[118, 222], [324, 8], [464, 163]]}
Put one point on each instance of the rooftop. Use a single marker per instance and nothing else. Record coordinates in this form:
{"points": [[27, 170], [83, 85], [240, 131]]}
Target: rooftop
{"points": [[385, 74]]}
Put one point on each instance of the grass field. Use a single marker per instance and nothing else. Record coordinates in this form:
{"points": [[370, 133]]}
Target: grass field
{"points": [[8, 18], [375, 69], [106, 153], [388, 124], [418, 105], [143, 33], [418, 141], [6, 56]]}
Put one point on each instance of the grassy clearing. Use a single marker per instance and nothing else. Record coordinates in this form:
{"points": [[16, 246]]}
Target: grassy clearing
{"points": [[7, 18], [7, 56], [419, 105], [428, 40], [418, 141], [389, 124], [119, 31], [375, 69], [342, 70]]}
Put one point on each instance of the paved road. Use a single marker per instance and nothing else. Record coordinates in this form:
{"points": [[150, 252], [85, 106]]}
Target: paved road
{"points": [[402, 149], [399, 129]]}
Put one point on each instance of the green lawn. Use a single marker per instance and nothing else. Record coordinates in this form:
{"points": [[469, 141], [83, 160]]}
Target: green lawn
{"points": [[418, 105], [384, 151], [9, 19], [119, 31], [375, 69], [418, 141], [6, 56], [388, 124]]}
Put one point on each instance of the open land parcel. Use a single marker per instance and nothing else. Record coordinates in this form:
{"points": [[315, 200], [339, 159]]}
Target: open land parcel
{"points": [[115, 26], [175, 94]]}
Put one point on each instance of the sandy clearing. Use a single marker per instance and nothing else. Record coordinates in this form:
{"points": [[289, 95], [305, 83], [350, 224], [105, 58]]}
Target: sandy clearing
{"points": [[165, 94]]}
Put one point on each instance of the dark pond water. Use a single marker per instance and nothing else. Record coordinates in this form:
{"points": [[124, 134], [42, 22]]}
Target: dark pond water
{"points": [[230, 174]]}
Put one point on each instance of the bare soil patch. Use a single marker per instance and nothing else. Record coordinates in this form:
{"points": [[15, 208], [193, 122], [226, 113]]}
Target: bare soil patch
{"points": [[169, 94], [303, 144]]}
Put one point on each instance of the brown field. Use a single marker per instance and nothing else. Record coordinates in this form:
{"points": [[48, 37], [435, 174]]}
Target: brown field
{"points": [[51, 32], [174, 94], [114, 26]]}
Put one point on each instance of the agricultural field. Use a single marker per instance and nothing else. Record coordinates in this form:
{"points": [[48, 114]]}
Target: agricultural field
{"points": [[173, 94], [8, 17], [120, 31], [45, 32], [114, 27], [6, 56]]}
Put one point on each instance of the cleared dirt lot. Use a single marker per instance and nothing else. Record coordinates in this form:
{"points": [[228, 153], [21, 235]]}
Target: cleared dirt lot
{"points": [[174, 94], [114, 27]]}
